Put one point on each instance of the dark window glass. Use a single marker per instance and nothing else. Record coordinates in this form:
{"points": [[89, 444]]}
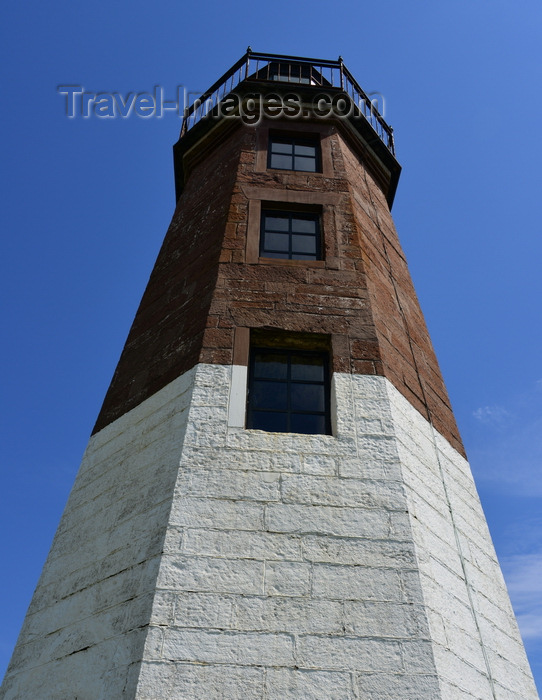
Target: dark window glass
{"points": [[284, 146], [291, 73], [292, 153], [309, 424], [287, 71], [276, 223], [304, 244], [290, 235], [307, 368], [289, 391], [303, 225], [303, 395], [304, 164], [272, 422], [271, 365], [269, 395]]}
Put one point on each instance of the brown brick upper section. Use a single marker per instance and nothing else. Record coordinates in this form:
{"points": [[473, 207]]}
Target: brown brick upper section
{"points": [[166, 335], [207, 281]]}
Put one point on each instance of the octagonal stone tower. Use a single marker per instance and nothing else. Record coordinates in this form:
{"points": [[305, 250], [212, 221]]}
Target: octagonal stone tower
{"points": [[275, 502]]}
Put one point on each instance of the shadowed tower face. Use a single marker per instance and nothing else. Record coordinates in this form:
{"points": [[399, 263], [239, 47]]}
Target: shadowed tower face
{"points": [[275, 501]]}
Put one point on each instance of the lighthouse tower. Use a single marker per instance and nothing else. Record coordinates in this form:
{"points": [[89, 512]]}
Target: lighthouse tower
{"points": [[275, 503]]}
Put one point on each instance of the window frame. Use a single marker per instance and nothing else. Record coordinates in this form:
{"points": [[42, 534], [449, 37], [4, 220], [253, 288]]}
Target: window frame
{"points": [[322, 202], [318, 130], [296, 140], [289, 382], [290, 214]]}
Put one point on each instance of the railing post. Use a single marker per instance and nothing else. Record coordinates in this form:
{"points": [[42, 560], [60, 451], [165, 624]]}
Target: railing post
{"points": [[341, 71], [391, 140], [184, 127], [249, 51]]}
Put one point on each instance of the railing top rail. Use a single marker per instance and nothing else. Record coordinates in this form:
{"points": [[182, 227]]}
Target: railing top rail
{"points": [[216, 85], [367, 99], [324, 63]]}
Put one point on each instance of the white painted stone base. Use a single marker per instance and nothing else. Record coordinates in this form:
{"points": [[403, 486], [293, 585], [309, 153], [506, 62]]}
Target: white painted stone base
{"points": [[477, 646], [197, 559], [85, 629]]}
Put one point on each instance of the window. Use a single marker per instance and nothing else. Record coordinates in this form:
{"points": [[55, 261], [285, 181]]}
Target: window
{"points": [[291, 72], [293, 153], [290, 235], [289, 391]]}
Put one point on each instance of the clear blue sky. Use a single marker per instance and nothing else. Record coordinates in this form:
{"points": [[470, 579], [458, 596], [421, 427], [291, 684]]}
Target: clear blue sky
{"points": [[86, 203]]}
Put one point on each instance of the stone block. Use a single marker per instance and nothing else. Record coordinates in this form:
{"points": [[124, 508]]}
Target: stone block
{"points": [[290, 684], [354, 493], [349, 654], [229, 484], [240, 648], [241, 544], [389, 619], [287, 578], [341, 522], [376, 553], [355, 583], [288, 614], [211, 574], [181, 681], [399, 686], [219, 514]]}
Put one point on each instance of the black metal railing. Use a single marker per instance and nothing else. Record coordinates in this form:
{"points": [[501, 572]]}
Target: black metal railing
{"points": [[294, 70]]}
